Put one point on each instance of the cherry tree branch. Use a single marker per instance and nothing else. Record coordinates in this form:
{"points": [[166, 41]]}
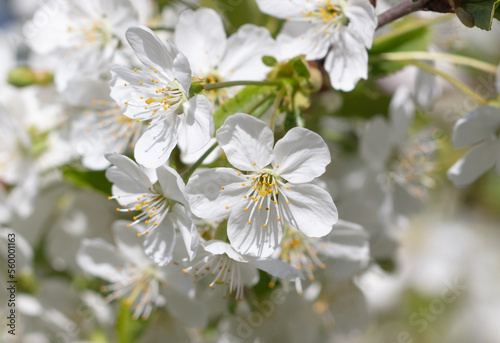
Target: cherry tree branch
{"points": [[401, 10]]}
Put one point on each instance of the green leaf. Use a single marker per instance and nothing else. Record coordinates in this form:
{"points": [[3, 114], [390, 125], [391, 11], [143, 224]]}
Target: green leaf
{"points": [[269, 61], [255, 99], [465, 17], [482, 11], [301, 68], [87, 178], [128, 329], [410, 35]]}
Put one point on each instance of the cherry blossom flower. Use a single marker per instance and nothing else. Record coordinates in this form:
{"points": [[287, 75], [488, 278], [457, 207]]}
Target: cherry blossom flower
{"points": [[346, 247], [87, 33], [159, 93], [161, 204], [136, 279], [213, 56], [341, 30], [276, 188], [226, 266], [480, 128], [100, 127]]}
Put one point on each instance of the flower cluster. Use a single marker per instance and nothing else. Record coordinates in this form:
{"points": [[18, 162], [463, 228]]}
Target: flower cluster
{"points": [[165, 156]]}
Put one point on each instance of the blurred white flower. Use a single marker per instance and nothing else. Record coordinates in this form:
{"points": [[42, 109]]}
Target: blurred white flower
{"points": [[100, 126], [136, 279], [480, 128], [200, 36], [86, 33], [342, 253]]}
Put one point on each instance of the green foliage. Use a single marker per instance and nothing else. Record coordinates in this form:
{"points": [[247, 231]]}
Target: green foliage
{"points": [[261, 289], [407, 35], [482, 13], [87, 178], [301, 68], [128, 329], [255, 99]]}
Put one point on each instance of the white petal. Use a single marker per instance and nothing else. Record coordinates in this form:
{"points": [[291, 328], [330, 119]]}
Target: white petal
{"points": [[243, 58], [254, 239], [190, 311], [121, 15], [183, 222], [206, 196], [277, 268], [201, 37], [347, 63], [476, 126], [427, 88], [311, 209], [348, 244], [88, 92], [302, 155], [164, 57], [475, 163], [23, 250], [156, 143], [127, 175], [197, 124], [246, 140], [131, 95], [362, 20], [376, 143], [99, 258], [401, 112], [192, 158], [283, 9], [248, 274], [303, 38], [171, 184], [219, 248], [128, 243], [159, 243]]}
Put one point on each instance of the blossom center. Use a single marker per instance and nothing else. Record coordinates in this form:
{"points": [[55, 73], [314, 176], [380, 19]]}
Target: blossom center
{"points": [[138, 287], [98, 32], [222, 269], [120, 128], [154, 206], [264, 194], [169, 94]]}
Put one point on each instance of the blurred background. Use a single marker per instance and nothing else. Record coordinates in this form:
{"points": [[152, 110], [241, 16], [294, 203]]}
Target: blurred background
{"points": [[434, 276]]}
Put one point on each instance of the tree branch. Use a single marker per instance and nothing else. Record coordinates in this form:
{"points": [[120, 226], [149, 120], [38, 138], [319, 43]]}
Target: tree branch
{"points": [[401, 10]]}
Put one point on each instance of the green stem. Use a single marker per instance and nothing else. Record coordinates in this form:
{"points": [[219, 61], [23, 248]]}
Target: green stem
{"points": [[438, 56], [458, 84], [193, 7], [218, 85], [411, 26], [275, 108], [162, 28], [187, 174], [257, 105]]}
